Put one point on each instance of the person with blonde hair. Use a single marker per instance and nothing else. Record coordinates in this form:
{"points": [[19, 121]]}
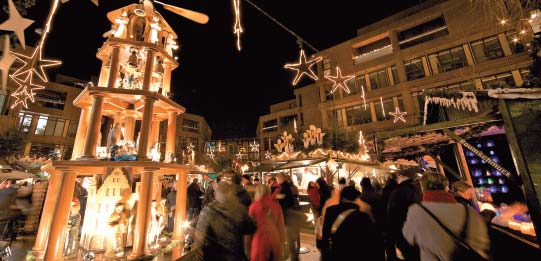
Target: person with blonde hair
{"points": [[266, 242]]}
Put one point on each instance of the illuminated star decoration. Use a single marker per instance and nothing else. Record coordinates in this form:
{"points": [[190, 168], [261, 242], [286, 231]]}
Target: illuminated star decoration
{"points": [[6, 62], [267, 155], [190, 147], [237, 27], [254, 147], [33, 65], [303, 67], [398, 115], [25, 91], [16, 23], [239, 155], [211, 154], [339, 80]]}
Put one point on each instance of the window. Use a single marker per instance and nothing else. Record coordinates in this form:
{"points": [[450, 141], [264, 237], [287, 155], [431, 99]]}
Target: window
{"points": [[353, 87], [270, 126], [514, 42], [401, 104], [25, 121], [395, 75], [486, 49], [361, 82], [72, 129], [339, 118], [498, 81], [190, 126], [388, 106], [51, 99], [422, 33], [42, 123], [326, 67], [379, 79], [414, 69], [331, 96], [3, 99], [288, 120], [42, 149], [357, 115], [448, 60]]}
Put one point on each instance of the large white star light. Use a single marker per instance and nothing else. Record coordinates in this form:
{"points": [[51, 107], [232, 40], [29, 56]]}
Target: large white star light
{"points": [[239, 155], [16, 23], [339, 80], [303, 67], [34, 64], [398, 115]]}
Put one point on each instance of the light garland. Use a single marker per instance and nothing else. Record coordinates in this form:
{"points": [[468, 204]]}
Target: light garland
{"points": [[303, 67], [371, 52], [339, 80], [467, 101], [398, 115], [237, 27], [16, 23]]}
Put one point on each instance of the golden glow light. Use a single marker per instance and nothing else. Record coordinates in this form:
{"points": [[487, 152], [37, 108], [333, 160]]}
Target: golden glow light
{"points": [[16, 23], [339, 80], [303, 67], [25, 91], [503, 21], [398, 115], [237, 27]]}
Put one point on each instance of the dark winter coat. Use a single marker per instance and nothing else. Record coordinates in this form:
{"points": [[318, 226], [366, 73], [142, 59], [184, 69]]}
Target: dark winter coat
{"points": [[220, 230], [243, 196], [194, 195], [357, 236]]}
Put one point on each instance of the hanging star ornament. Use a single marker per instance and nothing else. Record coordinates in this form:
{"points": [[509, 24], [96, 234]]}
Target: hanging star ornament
{"points": [[267, 155], [398, 115], [34, 64], [16, 23], [190, 147], [303, 67], [239, 155], [339, 80], [6, 62], [25, 91], [211, 155], [254, 147]]}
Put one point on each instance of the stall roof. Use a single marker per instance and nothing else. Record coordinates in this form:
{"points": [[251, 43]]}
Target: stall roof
{"points": [[300, 163]]}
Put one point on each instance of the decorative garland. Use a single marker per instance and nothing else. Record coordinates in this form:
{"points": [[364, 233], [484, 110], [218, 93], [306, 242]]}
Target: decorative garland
{"points": [[465, 100]]}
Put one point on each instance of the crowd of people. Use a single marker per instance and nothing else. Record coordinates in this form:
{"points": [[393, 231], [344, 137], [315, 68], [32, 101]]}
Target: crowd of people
{"points": [[413, 216], [15, 205]]}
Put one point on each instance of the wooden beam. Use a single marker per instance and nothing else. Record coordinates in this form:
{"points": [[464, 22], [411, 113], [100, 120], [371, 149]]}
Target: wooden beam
{"points": [[438, 161], [436, 126]]}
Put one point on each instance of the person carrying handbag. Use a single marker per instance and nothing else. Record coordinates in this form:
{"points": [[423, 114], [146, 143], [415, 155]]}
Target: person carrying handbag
{"points": [[443, 228]]}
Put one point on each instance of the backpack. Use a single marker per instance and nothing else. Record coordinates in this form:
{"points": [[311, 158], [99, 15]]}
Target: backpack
{"points": [[462, 251]]}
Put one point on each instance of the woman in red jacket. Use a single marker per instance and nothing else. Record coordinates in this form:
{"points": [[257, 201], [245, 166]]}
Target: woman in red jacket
{"points": [[270, 234]]}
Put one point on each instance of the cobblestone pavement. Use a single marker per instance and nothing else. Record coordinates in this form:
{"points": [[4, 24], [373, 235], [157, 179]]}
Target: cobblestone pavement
{"points": [[308, 241]]}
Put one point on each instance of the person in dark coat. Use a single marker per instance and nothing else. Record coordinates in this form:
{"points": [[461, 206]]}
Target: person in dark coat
{"points": [[194, 200], [242, 194], [286, 198], [407, 192], [324, 193], [356, 236], [370, 196], [390, 186], [222, 226]]}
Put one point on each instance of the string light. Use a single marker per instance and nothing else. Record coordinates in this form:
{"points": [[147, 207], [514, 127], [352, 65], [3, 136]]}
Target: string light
{"points": [[398, 115], [372, 51], [303, 67], [339, 80], [503, 22], [16, 23], [237, 27]]}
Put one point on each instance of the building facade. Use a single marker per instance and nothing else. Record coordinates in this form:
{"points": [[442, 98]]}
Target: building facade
{"points": [[192, 130], [436, 45]]}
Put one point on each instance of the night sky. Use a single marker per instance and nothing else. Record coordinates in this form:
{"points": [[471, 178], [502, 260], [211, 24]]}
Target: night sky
{"points": [[230, 89]]}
